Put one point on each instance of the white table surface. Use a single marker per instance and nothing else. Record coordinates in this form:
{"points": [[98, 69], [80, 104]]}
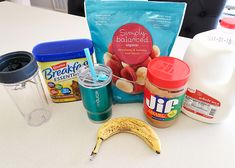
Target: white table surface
{"points": [[67, 139]]}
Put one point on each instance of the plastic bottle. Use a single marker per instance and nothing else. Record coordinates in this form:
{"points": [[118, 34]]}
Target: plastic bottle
{"points": [[19, 76], [211, 57]]}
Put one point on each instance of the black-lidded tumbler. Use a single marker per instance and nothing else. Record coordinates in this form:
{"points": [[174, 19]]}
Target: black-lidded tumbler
{"points": [[19, 76]]}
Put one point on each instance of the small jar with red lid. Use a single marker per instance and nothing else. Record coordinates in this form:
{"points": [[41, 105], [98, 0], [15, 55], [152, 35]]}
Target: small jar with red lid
{"points": [[165, 90]]}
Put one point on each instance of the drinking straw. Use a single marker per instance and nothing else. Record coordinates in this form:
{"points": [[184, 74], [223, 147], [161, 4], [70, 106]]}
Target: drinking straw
{"points": [[90, 64]]}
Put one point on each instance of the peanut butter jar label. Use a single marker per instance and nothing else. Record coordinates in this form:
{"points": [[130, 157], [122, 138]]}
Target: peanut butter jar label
{"points": [[162, 108]]}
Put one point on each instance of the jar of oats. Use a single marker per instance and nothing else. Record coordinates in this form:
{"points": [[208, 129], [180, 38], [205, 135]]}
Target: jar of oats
{"points": [[164, 90]]}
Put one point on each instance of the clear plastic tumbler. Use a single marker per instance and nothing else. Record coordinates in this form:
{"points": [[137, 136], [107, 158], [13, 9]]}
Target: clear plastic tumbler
{"points": [[19, 75]]}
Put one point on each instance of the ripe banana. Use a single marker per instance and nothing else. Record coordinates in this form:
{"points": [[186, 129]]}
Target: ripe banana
{"points": [[129, 125]]}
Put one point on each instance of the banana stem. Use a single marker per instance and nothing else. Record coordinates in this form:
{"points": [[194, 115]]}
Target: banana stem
{"points": [[96, 148]]}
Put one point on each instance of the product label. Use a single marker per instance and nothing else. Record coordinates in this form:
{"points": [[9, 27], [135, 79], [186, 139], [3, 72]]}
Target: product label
{"points": [[200, 103], [128, 55], [61, 79], [162, 108], [132, 43]]}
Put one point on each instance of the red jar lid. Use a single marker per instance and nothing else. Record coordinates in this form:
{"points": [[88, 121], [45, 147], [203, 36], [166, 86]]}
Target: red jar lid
{"points": [[228, 22], [168, 72]]}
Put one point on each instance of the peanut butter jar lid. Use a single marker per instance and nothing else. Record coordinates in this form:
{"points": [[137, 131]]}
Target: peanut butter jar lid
{"points": [[168, 72]]}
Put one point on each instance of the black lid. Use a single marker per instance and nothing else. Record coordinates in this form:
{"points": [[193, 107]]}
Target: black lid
{"points": [[17, 66]]}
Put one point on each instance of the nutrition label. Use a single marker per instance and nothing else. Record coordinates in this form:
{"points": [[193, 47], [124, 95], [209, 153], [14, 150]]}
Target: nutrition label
{"points": [[201, 104]]}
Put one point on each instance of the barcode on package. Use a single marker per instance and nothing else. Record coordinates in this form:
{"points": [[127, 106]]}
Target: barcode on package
{"points": [[212, 112]]}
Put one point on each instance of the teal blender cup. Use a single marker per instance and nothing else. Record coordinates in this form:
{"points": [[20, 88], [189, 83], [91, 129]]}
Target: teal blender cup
{"points": [[96, 94]]}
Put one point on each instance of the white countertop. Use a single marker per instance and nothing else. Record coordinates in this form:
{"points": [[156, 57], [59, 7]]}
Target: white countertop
{"points": [[68, 138]]}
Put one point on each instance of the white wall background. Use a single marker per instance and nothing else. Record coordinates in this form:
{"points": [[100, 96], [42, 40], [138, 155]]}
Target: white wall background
{"points": [[42, 3], [24, 2], [60, 5]]}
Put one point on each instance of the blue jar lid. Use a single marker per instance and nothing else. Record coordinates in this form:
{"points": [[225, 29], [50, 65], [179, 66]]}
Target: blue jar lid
{"points": [[62, 50], [17, 67]]}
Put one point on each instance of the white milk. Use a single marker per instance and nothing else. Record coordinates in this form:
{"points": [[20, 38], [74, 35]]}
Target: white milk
{"points": [[211, 56]]}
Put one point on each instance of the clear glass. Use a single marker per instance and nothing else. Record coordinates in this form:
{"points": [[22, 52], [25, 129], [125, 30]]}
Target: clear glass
{"points": [[30, 99]]}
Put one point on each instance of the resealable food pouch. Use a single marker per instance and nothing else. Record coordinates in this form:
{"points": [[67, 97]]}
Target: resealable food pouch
{"points": [[127, 35]]}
